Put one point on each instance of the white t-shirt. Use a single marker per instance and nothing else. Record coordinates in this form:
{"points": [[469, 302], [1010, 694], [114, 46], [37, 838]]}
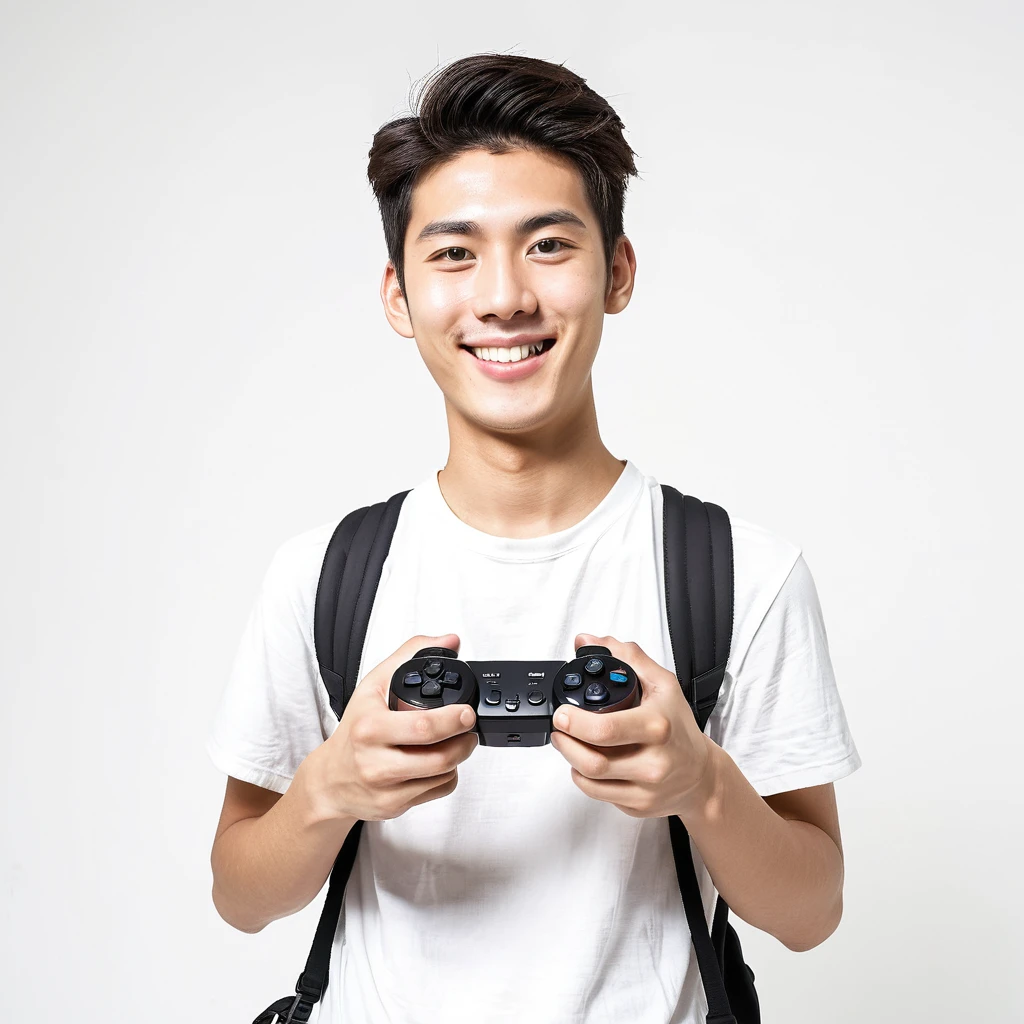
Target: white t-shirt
{"points": [[517, 897]]}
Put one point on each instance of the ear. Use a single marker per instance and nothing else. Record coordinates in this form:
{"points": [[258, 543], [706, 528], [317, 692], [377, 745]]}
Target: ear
{"points": [[396, 309], [623, 276]]}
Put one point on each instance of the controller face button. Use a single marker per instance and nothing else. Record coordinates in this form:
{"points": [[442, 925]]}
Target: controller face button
{"points": [[618, 676], [512, 704], [413, 679], [493, 698], [451, 680], [431, 688], [572, 680], [536, 697], [597, 693], [433, 668], [594, 667]]}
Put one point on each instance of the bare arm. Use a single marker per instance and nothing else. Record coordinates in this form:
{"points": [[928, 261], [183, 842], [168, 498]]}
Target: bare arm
{"points": [[777, 860], [273, 853]]}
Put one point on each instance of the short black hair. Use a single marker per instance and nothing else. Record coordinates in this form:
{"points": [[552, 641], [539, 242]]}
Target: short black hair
{"points": [[501, 102]]}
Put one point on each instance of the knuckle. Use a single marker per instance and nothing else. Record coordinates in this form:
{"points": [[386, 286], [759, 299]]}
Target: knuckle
{"points": [[654, 774], [367, 770], [660, 729], [596, 765], [362, 730], [421, 725]]}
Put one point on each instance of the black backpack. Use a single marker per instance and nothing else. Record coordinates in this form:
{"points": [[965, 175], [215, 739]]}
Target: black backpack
{"points": [[698, 567]]}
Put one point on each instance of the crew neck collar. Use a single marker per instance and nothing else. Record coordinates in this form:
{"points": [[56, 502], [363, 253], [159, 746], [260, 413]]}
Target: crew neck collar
{"points": [[620, 497]]}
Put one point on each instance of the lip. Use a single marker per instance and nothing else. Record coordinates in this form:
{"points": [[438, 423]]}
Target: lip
{"points": [[510, 371]]}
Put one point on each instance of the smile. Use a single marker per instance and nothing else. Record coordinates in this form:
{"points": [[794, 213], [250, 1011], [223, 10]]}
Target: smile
{"points": [[510, 364], [511, 355]]}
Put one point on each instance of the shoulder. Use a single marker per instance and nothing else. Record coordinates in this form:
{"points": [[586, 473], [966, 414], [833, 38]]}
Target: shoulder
{"points": [[763, 561], [294, 569]]}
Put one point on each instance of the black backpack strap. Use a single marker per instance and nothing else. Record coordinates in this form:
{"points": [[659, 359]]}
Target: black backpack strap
{"points": [[698, 567], [698, 561], [344, 596], [349, 577]]}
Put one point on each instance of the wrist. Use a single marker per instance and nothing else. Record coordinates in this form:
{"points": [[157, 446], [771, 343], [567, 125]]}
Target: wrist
{"points": [[703, 799], [315, 807]]}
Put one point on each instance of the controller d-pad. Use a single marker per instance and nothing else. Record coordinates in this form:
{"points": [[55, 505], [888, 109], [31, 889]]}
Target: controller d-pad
{"points": [[572, 680], [597, 693], [413, 679], [594, 667], [433, 668], [536, 697], [451, 680], [493, 698], [618, 676], [431, 688]]}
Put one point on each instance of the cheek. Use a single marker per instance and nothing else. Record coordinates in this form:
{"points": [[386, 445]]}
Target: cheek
{"points": [[575, 296], [434, 303], [443, 295]]}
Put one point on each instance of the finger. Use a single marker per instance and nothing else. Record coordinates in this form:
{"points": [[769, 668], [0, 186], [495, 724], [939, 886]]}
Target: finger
{"points": [[644, 724], [413, 762], [624, 795], [422, 727], [446, 784], [634, 764]]}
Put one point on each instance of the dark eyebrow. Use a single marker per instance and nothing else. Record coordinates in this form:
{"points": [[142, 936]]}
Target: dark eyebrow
{"points": [[524, 227]]}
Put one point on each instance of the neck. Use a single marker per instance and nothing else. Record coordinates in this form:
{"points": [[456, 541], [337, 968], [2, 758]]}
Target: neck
{"points": [[527, 484]]}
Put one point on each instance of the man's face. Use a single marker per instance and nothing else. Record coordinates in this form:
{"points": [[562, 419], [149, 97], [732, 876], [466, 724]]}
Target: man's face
{"points": [[479, 275]]}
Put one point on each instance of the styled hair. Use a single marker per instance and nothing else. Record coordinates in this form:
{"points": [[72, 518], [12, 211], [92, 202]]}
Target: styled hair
{"points": [[501, 102]]}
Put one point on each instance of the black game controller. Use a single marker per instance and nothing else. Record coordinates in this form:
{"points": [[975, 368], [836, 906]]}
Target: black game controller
{"points": [[514, 700]]}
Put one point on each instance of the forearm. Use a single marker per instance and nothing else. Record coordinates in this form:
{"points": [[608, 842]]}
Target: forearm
{"points": [[269, 867], [782, 876]]}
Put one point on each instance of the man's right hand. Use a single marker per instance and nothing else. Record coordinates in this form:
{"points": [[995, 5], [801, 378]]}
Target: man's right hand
{"points": [[378, 763]]}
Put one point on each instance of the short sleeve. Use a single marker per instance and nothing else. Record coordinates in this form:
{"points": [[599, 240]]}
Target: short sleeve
{"points": [[273, 711], [780, 716]]}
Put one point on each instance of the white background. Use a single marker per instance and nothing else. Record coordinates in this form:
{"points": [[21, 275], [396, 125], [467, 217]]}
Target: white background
{"points": [[824, 339]]}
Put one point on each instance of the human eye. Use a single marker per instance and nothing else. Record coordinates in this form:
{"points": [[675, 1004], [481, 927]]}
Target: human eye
{"points": [[456, 249], [552, 241]]}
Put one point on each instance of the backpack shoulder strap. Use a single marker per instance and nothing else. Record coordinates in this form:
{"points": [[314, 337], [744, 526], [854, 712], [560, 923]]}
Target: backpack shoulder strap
{"points": [[349, 576], [344, 596], [698, 566]]}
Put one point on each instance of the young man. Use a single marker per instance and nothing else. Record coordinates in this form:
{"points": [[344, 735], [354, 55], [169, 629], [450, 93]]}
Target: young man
{"points": [[532, 884]]}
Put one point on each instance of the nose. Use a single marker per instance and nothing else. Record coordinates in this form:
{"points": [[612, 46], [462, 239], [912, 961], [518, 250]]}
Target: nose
{"points": [[502, 288]]}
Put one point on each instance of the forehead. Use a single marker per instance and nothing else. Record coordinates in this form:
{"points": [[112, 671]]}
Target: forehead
{"points": [[496, 190]]}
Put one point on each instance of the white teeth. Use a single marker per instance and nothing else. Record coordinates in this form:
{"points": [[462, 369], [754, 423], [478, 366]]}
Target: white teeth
{"points": [[508, 355]]}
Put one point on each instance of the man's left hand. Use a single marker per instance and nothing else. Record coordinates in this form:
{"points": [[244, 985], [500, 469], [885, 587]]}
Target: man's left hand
{"points": [[649, 761]]}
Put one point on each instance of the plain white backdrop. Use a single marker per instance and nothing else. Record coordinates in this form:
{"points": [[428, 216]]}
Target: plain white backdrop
{"points": [[824, 339]]}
